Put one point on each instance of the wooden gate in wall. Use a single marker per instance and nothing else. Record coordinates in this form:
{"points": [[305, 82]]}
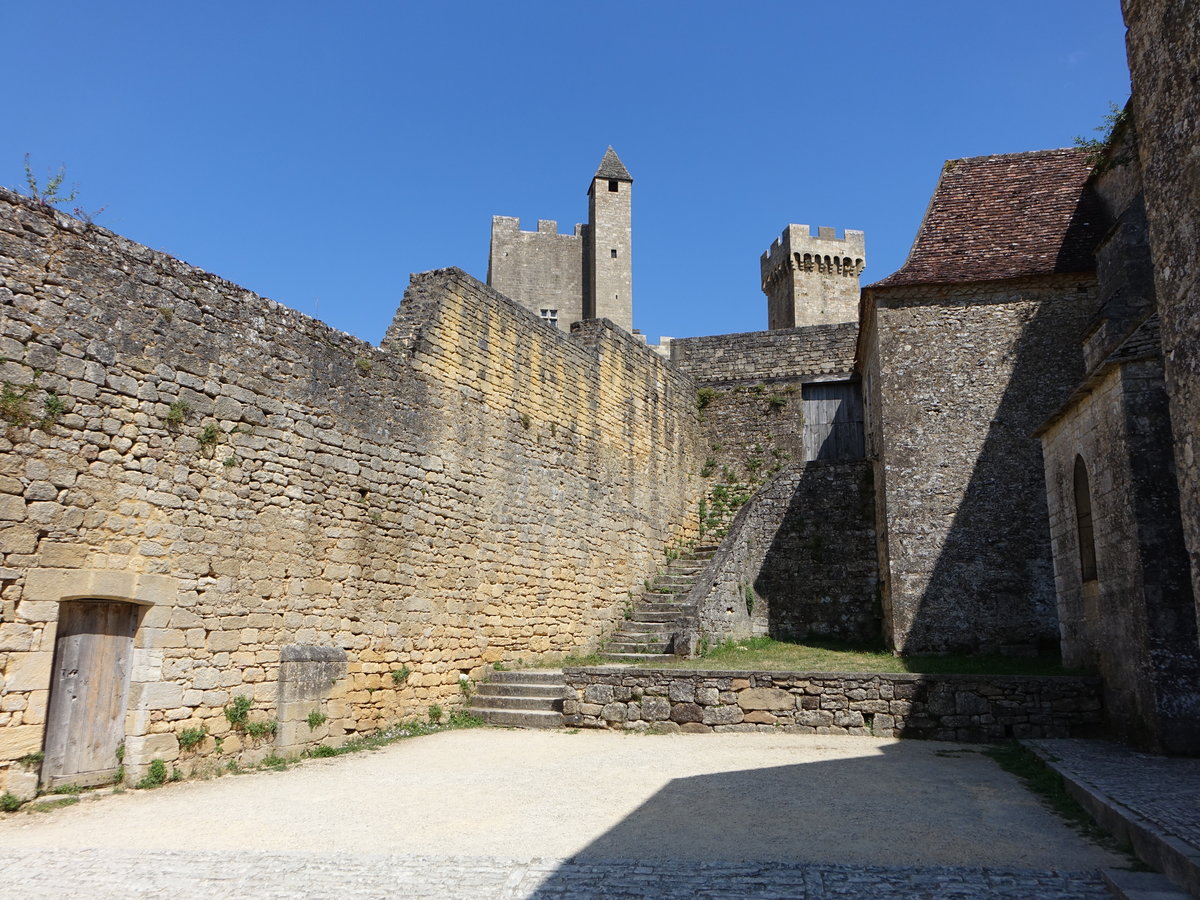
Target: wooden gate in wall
{"points": [[89, 690], [833, 420]]}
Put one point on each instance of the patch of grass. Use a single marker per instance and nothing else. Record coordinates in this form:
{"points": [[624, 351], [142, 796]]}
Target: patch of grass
{"points": [[48, 805], [400, 675], [274, 761], [1050, 788], [705, 396], [30, 760], [397, 732], [762, 654], [209, 435], [316, 719], [9, 803], [323, 751], [435, 713]]}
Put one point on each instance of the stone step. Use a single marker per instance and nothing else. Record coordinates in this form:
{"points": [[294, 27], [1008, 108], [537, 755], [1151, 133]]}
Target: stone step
{"points": [[527, 676], [512, 718], [515, 689], [656, 616], [634, 632], [658, 608], [677, 583], [543, 704], [637, 657]]}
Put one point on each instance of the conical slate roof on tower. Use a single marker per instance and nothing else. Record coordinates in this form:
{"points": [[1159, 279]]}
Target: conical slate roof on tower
{"points": [[612, 167]]}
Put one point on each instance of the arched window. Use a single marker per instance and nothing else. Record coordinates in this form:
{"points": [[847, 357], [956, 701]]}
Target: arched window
{"points": [[1083, 522]]}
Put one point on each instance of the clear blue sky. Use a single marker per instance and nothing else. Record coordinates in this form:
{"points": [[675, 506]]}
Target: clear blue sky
{"points": [[317, 152]]}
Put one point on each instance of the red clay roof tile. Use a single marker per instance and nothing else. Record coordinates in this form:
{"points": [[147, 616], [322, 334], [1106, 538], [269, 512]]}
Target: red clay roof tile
{"points": [[1010, 216]]}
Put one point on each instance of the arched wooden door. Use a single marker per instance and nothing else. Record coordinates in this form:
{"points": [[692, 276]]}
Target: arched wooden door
{"points": [[89, 691]]}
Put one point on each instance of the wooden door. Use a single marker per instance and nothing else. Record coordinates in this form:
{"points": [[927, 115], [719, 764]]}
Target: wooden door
{"points": [[88, 692], [833, 422]]}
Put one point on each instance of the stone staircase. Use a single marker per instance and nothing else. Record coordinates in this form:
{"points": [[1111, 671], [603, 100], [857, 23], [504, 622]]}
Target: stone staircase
{"points": [[657, 614], [529, 699]]}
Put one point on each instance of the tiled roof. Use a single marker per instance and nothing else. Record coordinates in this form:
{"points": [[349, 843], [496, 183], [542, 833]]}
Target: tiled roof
{"points": [[995, 217], [612, 167]]}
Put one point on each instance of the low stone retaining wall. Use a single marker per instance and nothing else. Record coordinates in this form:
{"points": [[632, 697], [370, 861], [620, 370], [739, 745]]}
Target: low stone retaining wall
{"points": [[941, 707]]}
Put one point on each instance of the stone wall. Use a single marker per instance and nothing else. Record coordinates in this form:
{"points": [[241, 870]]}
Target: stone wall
{"points": [[1133, 622], [798, 562], [941, 707], [539, 269], [959, 378], [768, 356], [479, 488], [1163, 41]]}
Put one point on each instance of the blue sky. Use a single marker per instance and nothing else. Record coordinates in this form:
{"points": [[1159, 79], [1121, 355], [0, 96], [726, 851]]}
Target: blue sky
{"points": [[317, 153]]}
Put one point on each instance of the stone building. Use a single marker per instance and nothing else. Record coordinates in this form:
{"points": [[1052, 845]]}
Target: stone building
{"points": [[565, 278]]}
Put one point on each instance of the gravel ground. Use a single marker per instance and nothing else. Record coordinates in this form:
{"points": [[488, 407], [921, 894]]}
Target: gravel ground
{"points": [[483, 793]]}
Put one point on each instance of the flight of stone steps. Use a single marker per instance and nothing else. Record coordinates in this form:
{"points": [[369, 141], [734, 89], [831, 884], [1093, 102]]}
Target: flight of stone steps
{"points": [[656, 615], [529, 699]]}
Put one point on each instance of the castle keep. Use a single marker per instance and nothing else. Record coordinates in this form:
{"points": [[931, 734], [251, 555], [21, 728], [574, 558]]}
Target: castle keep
{"points": [[209, 502], [568, 277]]}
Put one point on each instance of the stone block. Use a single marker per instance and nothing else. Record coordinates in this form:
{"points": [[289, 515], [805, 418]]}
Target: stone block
{"points": [[682, 692], [598, 693], [656, 709], [21, 784], [760, 717], [156, 695], [722, 715], [20, 740], [29, 671], [687, 712], [766, 698], [708, 696], [614, 712], [695, 728]]}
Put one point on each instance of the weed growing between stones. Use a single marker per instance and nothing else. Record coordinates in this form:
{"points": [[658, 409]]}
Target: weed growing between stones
{"points": [[156, 775], [9, 803], [316, 719], [400, 675], [178, 412], [190, 738]]}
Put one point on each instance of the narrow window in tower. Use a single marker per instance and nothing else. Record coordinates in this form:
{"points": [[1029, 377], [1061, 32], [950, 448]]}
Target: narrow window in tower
{"points": [[613, 252], [551, 316], [612, 185], [1084, 523]]}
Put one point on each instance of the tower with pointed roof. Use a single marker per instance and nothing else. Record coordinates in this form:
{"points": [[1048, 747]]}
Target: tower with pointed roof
{"points": [[586, 274], [608, 282]]}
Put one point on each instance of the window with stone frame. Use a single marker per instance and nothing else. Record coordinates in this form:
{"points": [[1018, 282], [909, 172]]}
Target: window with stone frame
{"points": [[551, 316]]}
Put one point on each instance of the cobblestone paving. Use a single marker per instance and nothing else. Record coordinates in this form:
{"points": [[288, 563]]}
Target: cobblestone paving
{"points": [[106, 875], [1165, 791]]}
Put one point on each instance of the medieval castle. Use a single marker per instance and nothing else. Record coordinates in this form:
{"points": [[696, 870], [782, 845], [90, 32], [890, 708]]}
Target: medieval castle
{"points": [[207, 498]]}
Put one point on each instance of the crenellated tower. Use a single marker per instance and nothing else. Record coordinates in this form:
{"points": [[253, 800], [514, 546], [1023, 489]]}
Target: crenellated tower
{"points": [[608, 266], [812, 279]]}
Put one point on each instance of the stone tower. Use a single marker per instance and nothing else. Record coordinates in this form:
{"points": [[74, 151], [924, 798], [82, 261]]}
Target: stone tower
{"points": [[608, 272], [812, 279], [563, 278]]}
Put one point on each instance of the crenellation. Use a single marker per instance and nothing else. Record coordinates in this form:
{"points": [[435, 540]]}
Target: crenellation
{"points": [[812, 280]]}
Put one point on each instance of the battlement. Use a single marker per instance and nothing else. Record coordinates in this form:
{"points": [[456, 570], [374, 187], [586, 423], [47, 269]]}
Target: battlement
{"points": [[810, 279], [800, 238], [501, 224]]}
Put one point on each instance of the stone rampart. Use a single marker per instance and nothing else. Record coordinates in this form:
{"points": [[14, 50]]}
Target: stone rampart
{"points": [[480, 488], [815, 351], [940, 707]]}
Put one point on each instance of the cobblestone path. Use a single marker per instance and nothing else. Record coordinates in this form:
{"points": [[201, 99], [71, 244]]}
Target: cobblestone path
{"points": [[107, 875]]}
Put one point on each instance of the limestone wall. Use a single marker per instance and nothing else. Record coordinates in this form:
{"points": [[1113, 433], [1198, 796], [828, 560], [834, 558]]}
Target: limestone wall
{"points": [[480, 488], [1163, 41], [941, 707], [961, 376]]}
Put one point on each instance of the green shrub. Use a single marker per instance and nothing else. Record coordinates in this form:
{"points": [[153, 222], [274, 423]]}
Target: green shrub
{"points": [[156, 775]]}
